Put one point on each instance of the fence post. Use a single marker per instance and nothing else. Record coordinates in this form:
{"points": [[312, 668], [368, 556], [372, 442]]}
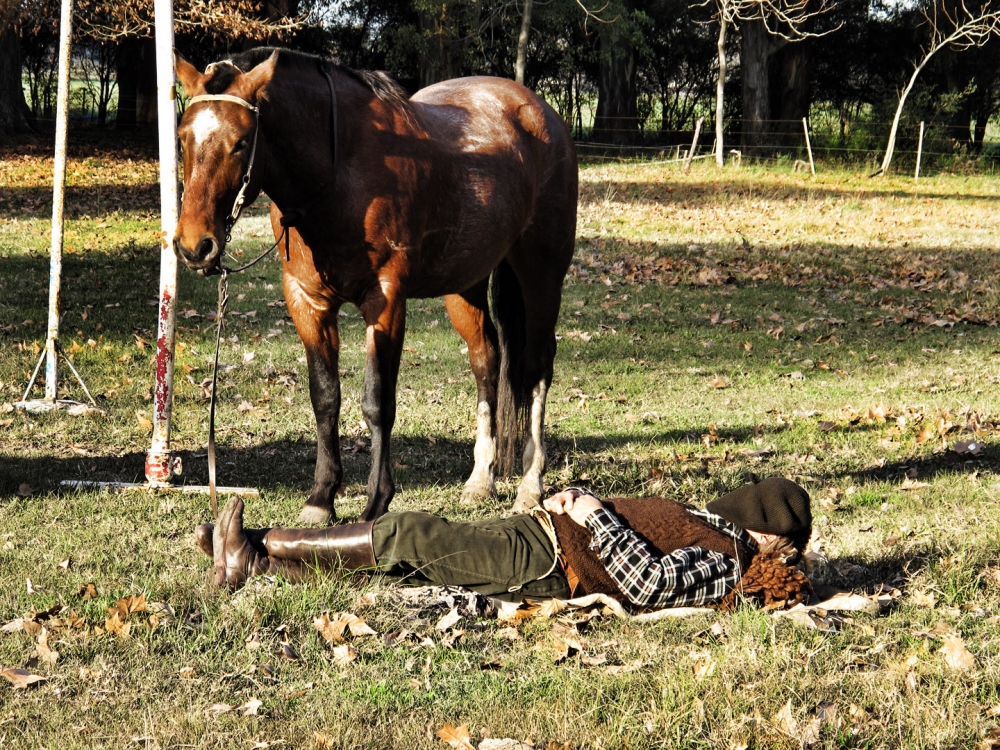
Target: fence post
{"points": [[694, 144], [920, 150], [812, 165]]}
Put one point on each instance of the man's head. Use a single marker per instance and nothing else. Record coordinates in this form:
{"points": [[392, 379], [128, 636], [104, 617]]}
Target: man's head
{"points": [[773, 506]]}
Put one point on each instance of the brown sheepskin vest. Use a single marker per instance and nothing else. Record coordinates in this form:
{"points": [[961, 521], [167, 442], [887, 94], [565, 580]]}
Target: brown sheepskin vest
{"points": [[663, 523]]}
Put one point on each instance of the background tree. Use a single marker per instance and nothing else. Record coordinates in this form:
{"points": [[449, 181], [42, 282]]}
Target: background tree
{"points": [[14, 112], [956, 27]]}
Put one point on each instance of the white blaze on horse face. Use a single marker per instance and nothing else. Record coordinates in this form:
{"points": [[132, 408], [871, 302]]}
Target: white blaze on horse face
{"points": [[205, 123]]}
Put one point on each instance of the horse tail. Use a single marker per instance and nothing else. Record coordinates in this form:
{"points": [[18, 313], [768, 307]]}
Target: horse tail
{"points": [[513, 393]]}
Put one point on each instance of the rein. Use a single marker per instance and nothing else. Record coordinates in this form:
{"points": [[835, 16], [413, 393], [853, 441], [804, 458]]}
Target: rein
{"points": [[287, 221]]}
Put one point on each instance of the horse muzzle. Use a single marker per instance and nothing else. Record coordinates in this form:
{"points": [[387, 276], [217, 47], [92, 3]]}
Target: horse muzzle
{"points": [[205, 258]]}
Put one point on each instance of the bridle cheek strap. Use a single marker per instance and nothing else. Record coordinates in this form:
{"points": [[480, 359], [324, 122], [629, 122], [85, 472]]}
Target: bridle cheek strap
{"points": [[241, 195]]}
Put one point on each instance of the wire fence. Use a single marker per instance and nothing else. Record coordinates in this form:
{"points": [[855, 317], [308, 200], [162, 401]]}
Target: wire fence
{"points": [[832, 139], [860, 142]]}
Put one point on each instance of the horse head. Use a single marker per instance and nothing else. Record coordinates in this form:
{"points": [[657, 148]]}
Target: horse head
{"points": [[219, 136]]}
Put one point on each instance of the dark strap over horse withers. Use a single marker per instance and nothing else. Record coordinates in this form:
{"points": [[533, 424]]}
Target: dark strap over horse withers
{"points": [[287, 221]]}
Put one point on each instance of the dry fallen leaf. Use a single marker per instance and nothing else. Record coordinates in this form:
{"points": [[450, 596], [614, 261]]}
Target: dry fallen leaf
{"points": [[968, 446], [250, 707], [924, 600], [87, 591], [332, 630], [718, 382], [344, 654], [45, 654], [456, 737], [449, 620], [956, 655], [20, 679], [784, 722]]}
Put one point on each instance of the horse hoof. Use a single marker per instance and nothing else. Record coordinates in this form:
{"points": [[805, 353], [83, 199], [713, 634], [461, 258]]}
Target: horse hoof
{"points": [[472, 495], [311, 515], [525, 502]]}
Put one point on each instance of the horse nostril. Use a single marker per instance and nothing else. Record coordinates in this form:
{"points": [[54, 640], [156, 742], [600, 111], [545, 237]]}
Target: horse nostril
{"points": [[206, 248]]}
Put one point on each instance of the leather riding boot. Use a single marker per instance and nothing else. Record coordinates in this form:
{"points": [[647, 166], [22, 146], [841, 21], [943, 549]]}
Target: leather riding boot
{"points": [[203, 538], [348, 546], [236, 560]]}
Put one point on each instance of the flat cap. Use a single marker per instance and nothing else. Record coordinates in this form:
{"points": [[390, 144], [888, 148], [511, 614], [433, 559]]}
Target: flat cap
{"points": [[772, 506]]}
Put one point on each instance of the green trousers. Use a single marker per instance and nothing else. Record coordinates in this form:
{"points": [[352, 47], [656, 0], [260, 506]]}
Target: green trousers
{"points": [[506, 558]]}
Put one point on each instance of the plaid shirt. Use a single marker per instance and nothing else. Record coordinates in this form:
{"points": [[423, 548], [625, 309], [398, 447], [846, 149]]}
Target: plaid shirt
{"points": [[688, 577]]}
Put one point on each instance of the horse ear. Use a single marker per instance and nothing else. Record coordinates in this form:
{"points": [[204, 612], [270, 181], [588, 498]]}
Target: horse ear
{"points": [[189, 75], [254, 80]]}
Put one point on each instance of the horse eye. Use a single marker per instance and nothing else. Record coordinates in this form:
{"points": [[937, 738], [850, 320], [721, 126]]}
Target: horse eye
{"points": [[240, 145]]}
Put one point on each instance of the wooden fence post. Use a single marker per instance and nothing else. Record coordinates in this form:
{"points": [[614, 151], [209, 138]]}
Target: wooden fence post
{"points": [[812, 165], [920, 150], [694, 144]]}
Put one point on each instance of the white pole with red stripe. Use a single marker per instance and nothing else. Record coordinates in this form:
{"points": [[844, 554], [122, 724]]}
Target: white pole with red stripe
{"points": [[160, 465]]}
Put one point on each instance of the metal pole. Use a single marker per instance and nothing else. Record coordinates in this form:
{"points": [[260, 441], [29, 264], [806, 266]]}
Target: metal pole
{"points": [[920, 150], [809, 148], [58, 200], [159, 465]]}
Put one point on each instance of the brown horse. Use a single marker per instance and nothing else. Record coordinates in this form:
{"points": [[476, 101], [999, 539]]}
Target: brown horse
{"points": [[466, 190]]}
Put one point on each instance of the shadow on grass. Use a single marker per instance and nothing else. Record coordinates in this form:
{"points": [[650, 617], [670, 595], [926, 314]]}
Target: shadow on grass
{"points": [[626, 191], [287, 465]]}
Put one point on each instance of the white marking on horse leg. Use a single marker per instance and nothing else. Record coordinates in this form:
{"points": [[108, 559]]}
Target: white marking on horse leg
{"points": [[529, 492], [480, 484], [203, 125]]}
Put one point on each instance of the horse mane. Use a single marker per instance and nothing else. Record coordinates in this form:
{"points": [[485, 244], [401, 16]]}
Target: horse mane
{"points": [[224, 72]]}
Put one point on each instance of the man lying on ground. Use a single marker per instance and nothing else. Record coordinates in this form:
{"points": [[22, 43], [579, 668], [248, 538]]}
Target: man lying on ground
{"points": [[649, 553]]}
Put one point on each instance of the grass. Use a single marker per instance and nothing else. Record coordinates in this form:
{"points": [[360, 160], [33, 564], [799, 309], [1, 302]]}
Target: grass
{"points": [[836, 330]]}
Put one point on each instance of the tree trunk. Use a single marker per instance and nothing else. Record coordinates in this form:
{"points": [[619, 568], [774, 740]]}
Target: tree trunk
{"points": [[145, 93], [522, 43], [14, 113], [136, 82], [617, 119], [755, 55], [791, 92], [720, 91], [128, 81]]}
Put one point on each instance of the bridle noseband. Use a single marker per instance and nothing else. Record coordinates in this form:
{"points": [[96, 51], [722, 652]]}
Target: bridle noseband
{"points": [[241, 195]]}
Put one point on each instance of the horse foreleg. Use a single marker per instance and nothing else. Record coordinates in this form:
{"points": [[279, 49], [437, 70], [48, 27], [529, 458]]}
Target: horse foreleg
{"points": [[469, 315], [316, 323], [384, 344], [324, 393]]}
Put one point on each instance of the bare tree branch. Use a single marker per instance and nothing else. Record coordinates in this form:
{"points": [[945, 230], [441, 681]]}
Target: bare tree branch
{"points": [[785, 19], [958, 28]]}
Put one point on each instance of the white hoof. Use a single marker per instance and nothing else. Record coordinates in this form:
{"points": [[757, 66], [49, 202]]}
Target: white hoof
{"points": [[526, 500], [311, 515], [473, 493]]}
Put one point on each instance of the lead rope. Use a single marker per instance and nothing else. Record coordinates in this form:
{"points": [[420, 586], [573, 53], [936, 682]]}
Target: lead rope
{"points": [[219, 315]]}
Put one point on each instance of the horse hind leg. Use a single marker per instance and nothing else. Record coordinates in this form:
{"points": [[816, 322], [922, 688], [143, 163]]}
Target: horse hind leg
{"points": [[541, 277], [469, 316]]}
